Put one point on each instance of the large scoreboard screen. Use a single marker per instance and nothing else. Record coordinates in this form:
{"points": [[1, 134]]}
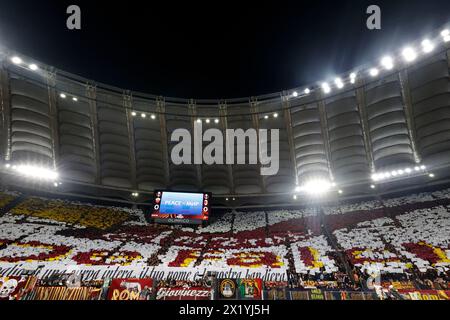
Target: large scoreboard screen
{"points": [[181, 207]]}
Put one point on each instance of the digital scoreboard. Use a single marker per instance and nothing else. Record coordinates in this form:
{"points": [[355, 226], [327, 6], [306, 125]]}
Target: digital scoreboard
{"points": [[181, 207]]}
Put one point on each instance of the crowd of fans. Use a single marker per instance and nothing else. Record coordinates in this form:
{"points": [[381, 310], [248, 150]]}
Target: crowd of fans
{"points": [[403, 240]]}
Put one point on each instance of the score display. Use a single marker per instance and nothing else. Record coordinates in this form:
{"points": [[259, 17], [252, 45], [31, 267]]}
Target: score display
{"points": [[181, 207]]}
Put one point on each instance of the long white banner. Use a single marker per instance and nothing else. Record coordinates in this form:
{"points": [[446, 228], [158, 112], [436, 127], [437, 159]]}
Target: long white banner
{"points": [[158, 273]]}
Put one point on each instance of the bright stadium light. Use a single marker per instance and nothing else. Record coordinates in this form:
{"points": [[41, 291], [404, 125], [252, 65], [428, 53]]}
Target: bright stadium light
{"points": [[294, 197], [33, 67], [135, 194], [133, 113], [338, 82], [143, 115], [340, 191], [372, 186], [316, 187], [374, 72], [216, 120], [380, 176], [352, 77], [36, 172], [409, 54], [427, 46], [326, 87], [16, 60], [199, 120], [62, 95], [431, 175], [75, 99], [387, 62], [295, 94], [207, 121], [446, 35], [7, 166], [307, 91], [266, 117], [55, 184], [275, 115], [153, 117]]}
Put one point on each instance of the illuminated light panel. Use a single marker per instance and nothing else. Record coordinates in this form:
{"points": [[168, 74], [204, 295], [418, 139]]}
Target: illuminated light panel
{"points": [[36, 172], [339, 83], [374, 72], [16, 60], [62, 95], [216, 120], [380, 176], [143, 115], [446, 35], [326, 87], [409, 54], [387, 62], [33, 67], [307, 91], [275, 115], [352, 77], [153, 117], [427, 46], [295, 94], [315, 187], [133, 114]]}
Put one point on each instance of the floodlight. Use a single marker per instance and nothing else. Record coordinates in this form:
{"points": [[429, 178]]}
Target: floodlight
{"points": [[207, 121], [315, 187], [427, 46], [307, 91], [295, 94], [16, 60], [352, 77], [216, 120], [374, 72], [326, 87], [387, 63], [275, 115], [133, 113], [446, 35], [33, 67], [36, 172], [409, 54], [62, 95], [339, 83], [143, 115], [153, 116]]}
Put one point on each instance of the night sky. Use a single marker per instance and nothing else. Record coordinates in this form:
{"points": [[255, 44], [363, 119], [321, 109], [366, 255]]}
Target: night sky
{"points": [[213, 49]]}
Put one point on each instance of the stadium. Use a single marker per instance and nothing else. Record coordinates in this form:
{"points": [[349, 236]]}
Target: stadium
{"points": [[92, 206]]}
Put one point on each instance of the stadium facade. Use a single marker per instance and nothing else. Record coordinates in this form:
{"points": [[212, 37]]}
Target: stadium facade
{"points": [[109, 141]]}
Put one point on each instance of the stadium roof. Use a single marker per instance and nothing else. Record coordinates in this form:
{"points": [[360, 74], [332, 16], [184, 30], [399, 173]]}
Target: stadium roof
{"points": [[382, 125]]}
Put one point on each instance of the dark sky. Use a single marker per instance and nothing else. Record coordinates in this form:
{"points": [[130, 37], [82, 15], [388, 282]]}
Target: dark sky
{"points": [[213, 49]]}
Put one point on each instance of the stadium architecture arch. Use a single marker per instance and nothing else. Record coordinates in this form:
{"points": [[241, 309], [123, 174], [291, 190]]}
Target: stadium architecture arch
{"points": [[376, 129]]}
